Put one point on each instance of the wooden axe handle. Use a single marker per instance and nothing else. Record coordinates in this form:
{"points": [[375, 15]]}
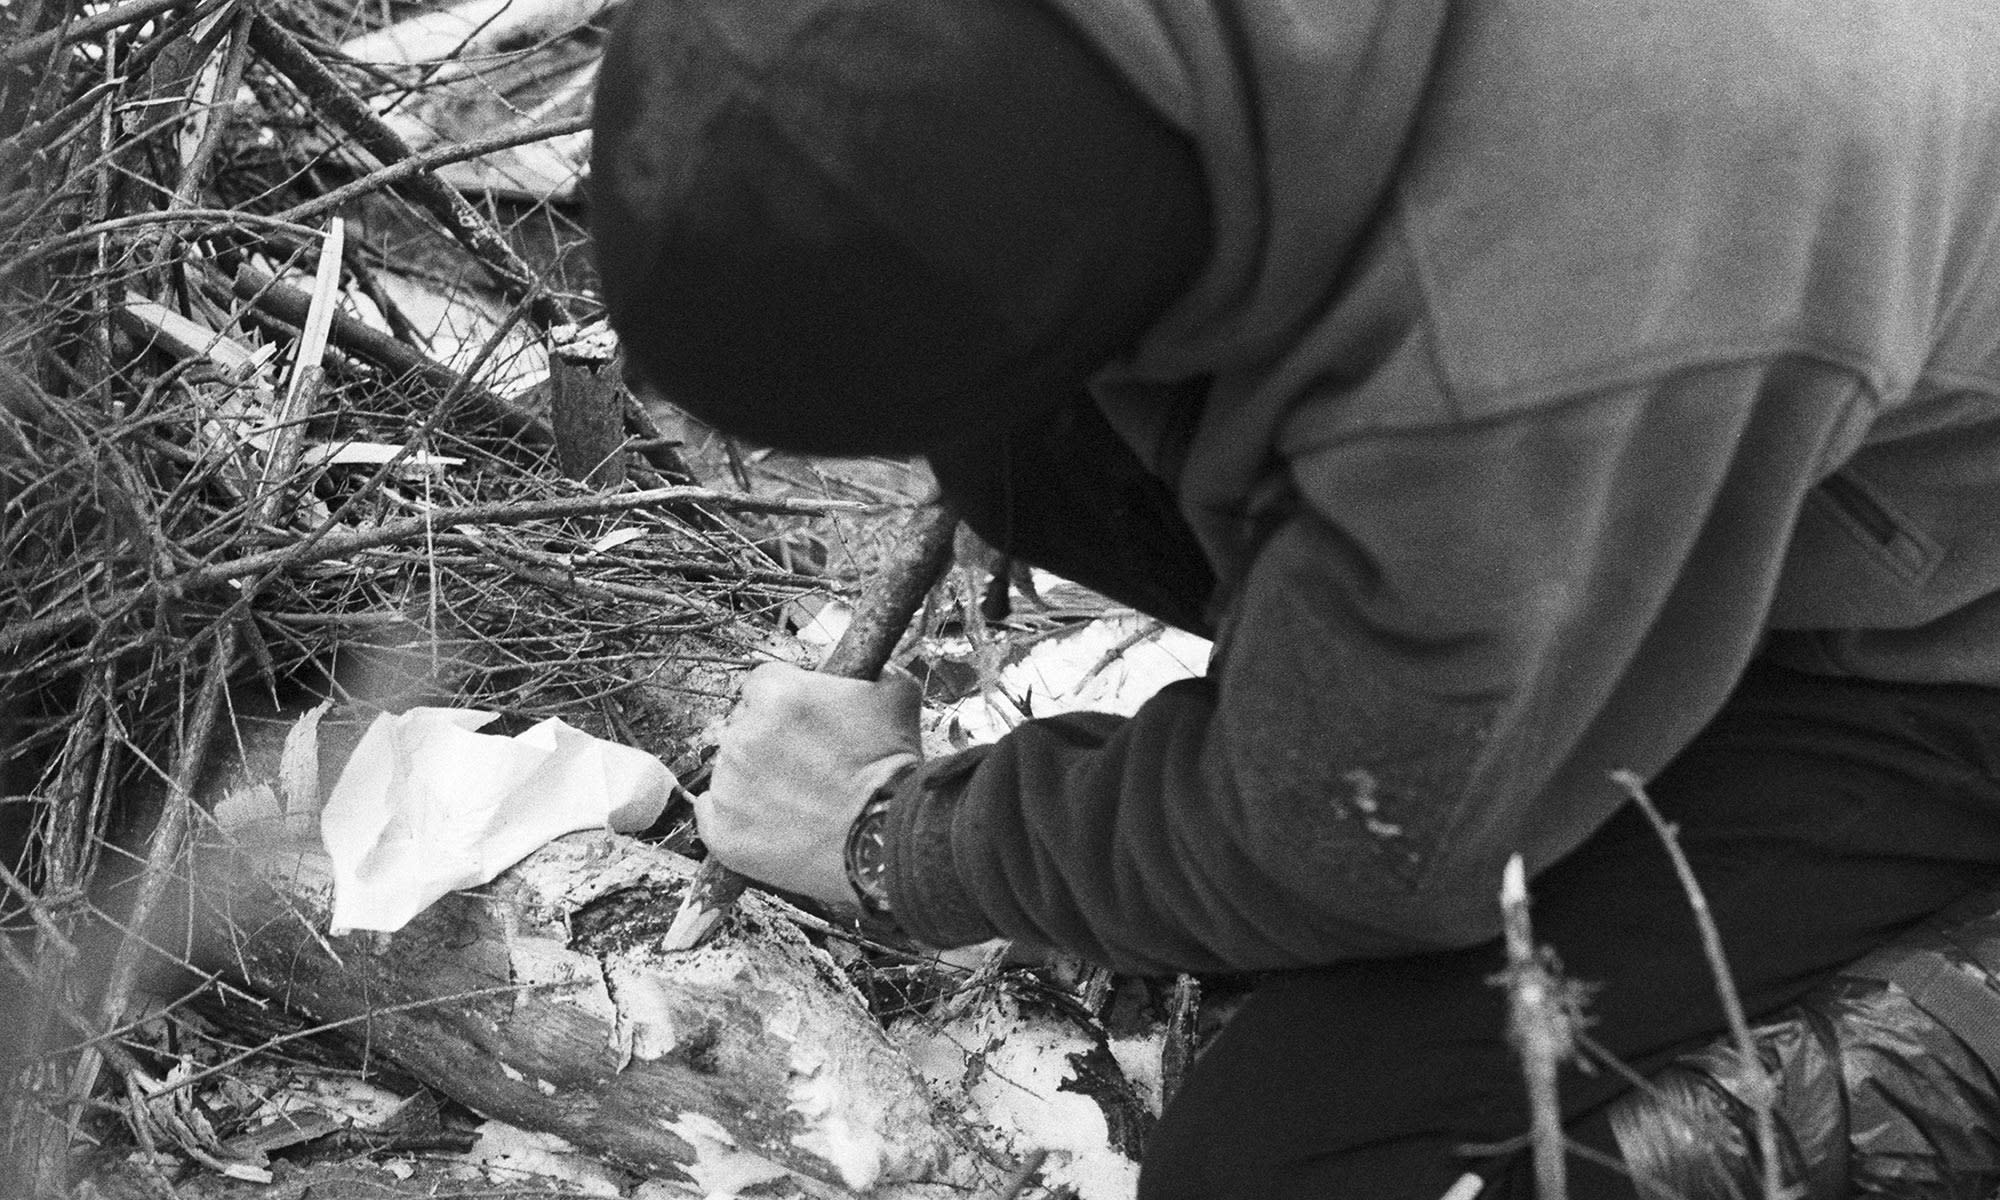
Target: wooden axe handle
{"points": [[888, 604]]}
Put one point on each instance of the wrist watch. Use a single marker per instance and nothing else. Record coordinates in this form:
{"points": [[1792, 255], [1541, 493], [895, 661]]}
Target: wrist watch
{"points": [[867, 851]]}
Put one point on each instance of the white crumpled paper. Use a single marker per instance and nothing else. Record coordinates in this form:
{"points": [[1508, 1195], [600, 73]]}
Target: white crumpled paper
{"points": [[427, 805]]}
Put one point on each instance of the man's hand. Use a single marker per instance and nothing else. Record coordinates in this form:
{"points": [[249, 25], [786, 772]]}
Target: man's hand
{"points": [[794, 763]]}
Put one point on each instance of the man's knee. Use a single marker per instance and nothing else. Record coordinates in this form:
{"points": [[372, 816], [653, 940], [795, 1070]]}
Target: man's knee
{"points": [[1362, 1080]]}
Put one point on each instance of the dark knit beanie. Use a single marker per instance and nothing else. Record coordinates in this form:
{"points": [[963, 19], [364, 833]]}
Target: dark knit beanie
{"points": [[878, 226]]}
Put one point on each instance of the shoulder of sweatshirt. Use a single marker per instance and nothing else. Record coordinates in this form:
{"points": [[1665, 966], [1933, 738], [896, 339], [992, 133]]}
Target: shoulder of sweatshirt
{"points": [[1602, 191]]}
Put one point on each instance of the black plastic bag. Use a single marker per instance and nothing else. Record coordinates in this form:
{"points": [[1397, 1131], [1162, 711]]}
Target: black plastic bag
{"points": [[1888, 1083]]}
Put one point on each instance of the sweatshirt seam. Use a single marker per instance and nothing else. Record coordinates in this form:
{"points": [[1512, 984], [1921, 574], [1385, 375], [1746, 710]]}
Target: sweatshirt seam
{"points": [[1650, 363], [1561, 401], [1962, 379]]}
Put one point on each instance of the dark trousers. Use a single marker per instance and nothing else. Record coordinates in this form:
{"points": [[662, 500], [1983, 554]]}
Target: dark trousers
{"points": [[1822, 816]]}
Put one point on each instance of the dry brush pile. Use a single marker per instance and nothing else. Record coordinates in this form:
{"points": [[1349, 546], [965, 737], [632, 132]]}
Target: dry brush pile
{"points": [[235, 473], [301, 398]]}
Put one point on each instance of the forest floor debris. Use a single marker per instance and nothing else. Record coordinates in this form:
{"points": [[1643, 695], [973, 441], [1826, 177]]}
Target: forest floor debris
{"points": [[280, 290]]}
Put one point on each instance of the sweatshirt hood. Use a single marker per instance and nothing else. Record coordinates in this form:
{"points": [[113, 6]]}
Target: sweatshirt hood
{"points": [[1300, 111]]}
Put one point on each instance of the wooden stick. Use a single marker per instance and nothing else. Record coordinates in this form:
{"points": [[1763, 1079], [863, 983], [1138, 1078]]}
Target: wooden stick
{"points": [[879, 623], [1177, 1053]]}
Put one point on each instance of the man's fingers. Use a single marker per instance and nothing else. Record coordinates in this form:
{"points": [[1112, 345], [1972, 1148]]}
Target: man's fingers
{"points": [[767, 682], [704, 814], [782, 696]]}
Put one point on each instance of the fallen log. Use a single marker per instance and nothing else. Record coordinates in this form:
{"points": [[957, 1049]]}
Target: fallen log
{"points": [[543, 1000]]}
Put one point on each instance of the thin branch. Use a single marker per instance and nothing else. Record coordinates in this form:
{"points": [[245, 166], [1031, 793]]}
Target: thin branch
{"points": [[357, 338], [194, 173], [220, 217], [414, 529], [438, 156], [37, 908], [168, 842], [16, 148], [1762, 1091], [89, 27], [338, 103]]}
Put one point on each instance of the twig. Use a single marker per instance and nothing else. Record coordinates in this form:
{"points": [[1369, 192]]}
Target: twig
{"points": [[413, 529], [168, 842], [194, 172], [86, 234], [1535, 1028], [76, 824], [16, 148], [37, 908], [338, 103], [659, 599], [1648, 1189], [1761, 1094], [98, 364], [164, 586], [355, 337], [659, 451], [375, 1012], [307, 371], [438, 156], [88, 27]]}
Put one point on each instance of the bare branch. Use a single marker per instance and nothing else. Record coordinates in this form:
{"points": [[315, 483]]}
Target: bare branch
{"points": [[428, 160], [1761, 1094], [29, 49], [351, 113]]}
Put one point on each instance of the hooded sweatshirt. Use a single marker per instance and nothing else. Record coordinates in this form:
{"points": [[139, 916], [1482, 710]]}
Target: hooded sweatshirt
{"points": [[1556, 357]]}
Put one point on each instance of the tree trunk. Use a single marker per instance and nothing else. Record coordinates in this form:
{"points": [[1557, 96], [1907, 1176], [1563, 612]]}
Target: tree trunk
{"points": [[542, 1000]]}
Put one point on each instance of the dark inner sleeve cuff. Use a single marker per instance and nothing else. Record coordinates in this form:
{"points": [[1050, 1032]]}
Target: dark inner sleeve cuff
{"points": [[926, 892]]}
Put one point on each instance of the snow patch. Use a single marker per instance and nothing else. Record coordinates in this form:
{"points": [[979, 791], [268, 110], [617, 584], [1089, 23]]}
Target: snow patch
{"points": [[719, 1169], [1140, 1058], [1113, 665], [646, 1026], [1006, 1068], [855, 1148], [502, 1147]]}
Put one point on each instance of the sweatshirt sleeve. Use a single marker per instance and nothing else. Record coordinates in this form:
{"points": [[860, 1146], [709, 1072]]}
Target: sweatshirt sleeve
{"points": [[1445, 641]]}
